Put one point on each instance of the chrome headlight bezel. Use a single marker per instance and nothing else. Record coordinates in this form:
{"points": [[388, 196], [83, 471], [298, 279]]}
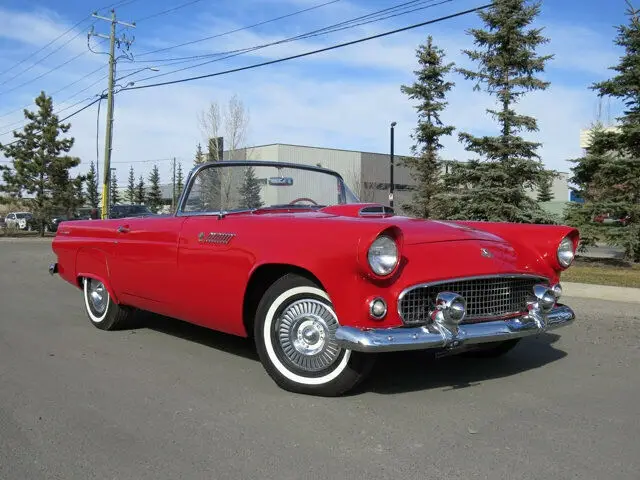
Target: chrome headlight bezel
{"points": [[565, 253], [383, 255]]}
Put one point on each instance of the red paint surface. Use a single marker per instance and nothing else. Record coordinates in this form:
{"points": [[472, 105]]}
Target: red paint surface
{"points": [[160, 265]]}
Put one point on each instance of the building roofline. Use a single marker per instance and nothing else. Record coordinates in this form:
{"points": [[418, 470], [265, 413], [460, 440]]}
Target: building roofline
{"points": [[334, 149], [316, 148]]}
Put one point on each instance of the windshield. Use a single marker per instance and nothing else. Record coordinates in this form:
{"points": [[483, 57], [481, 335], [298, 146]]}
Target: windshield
{"points": [[228, 188]]}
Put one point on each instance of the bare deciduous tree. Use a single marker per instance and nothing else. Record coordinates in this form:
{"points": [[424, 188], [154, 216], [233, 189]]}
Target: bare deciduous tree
{"points": [[231, 124], [365, 191]]}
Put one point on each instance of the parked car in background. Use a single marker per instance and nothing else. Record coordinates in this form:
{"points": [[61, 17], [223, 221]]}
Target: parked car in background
{"points": [[287, 255], [129, 211], [19, 220], [609, 219]]}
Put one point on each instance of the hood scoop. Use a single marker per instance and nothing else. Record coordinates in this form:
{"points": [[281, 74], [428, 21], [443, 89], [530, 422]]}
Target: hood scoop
{"points": [[376, 211], [364, 210]]}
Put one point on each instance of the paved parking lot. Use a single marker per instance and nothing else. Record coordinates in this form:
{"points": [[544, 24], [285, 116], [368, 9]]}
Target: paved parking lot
{"points": [[170, 401]]}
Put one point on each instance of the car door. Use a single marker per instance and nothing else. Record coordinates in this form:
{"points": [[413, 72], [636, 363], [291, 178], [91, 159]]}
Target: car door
{"points": [[213, 270], [145, 261]]}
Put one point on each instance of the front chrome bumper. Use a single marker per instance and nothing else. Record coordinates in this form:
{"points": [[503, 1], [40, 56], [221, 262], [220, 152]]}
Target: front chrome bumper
{"points": [[437, 336]]}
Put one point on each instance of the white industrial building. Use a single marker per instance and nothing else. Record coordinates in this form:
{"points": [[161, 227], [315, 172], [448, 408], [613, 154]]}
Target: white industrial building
{"points": [[366, 173]]}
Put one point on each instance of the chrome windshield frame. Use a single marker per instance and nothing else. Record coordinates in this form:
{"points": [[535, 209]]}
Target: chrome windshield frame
{"points": [[248, 163]]}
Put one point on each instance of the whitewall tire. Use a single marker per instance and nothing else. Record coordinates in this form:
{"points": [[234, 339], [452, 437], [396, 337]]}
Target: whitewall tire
{"points": [[102, 311], [294, 331]]}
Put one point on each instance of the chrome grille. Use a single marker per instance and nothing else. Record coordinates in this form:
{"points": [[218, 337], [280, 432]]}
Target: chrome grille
{"points": [[487, 297]]}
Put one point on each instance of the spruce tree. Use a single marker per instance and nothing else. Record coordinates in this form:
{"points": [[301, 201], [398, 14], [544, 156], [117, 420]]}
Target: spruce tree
{"points": [[141, 192], [208, 182], [130, 194], [179, 180], [114, 193], [544, 190], [429, 90], [39, 164], [250, 190], [495, 186], [91, 182], [589, 187], [154, 195], [610, 171]]}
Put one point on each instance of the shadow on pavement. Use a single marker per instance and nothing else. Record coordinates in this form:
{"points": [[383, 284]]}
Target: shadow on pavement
{"points": [[193, 333], [421, 370], [393, 373]]}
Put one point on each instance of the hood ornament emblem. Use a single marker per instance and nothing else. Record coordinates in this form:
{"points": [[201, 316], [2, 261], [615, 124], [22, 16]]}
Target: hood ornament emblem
{"points": [[486, 253]]}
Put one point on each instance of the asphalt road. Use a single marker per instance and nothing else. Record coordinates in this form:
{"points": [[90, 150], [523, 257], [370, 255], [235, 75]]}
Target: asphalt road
{"points": [[172, 401]]}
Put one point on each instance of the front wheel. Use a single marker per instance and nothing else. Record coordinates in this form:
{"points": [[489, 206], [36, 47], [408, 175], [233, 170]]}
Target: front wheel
{"points": [[294, 332]]}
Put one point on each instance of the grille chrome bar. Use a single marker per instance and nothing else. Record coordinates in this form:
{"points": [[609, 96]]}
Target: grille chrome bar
{"points": [[488, 297]]}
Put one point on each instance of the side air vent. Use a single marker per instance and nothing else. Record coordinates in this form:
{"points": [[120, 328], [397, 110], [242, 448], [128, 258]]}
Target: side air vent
{"points": [[376, 211]]}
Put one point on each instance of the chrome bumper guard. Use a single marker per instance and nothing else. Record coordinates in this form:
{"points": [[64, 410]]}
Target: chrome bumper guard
{"points": [[438, 336]]}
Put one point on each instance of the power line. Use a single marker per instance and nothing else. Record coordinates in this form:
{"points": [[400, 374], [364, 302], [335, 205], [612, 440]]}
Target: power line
{"points": [[38, 51], [313, 52], [67, 117], [57, 67], [55, 92], [164, 12], [239, 29], [314, 33], [113, 5]]}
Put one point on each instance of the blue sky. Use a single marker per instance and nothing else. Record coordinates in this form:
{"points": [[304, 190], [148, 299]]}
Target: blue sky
{"points": [[345, 98]]}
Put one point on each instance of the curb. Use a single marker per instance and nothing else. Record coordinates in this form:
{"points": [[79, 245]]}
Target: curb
{"points": [[601, 292]]}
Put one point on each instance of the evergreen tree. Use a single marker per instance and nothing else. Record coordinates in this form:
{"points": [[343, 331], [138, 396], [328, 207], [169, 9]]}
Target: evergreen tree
{"points": [[113, 189], [141, 192], [250, 190], [609, 174], [208, 182], [130, 194], [39, 166], [495, 187], [179, 180], [91, 182], [199, 157], [589, 187], [154, 196], [429, 89], [544, 190]]}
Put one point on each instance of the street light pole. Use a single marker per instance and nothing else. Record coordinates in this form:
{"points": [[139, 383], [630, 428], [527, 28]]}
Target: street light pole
{"points": [[393, 124]]}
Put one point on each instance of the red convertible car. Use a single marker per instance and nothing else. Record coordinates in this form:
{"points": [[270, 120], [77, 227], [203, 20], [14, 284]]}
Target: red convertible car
{"points": [[287, 254]]}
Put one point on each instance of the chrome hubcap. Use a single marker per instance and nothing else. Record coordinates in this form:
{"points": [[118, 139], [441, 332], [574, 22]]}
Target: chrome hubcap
{"points": [[306, 332], [97, 296]]}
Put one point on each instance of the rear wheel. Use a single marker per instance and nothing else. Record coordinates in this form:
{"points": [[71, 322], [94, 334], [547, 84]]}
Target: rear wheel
{"points": [[102, 311], [294, 332]]}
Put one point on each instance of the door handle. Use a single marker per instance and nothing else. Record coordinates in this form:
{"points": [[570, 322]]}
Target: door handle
{"points": [[123, 229]]}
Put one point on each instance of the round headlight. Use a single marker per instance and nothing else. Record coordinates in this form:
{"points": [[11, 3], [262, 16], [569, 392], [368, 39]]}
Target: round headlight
{"points": [[565, 252], [383, 255]]}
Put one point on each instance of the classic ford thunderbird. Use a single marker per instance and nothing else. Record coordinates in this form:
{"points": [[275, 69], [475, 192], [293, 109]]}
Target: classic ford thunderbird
{"points": [[286, 254]]}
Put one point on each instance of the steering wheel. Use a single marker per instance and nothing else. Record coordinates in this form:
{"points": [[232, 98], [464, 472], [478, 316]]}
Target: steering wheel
{"points": [[302, 199]]}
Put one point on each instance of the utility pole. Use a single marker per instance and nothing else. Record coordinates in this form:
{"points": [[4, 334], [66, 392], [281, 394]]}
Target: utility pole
{"points": [[173, 194], [393, 124], [106, 200]]}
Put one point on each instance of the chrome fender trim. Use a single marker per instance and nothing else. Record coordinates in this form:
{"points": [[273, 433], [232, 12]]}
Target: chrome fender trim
{"points": [[433, 336]]}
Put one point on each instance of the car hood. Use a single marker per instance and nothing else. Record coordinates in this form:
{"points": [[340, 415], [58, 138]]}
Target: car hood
{"points": [[415, 230]]}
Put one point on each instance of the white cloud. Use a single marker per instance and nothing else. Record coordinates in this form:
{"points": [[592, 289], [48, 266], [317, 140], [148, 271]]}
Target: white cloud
{"points": [[340, 99]]}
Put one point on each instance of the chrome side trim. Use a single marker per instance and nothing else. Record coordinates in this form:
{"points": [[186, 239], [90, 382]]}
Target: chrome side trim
{"points": [[433, 336], [462, 279]]}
